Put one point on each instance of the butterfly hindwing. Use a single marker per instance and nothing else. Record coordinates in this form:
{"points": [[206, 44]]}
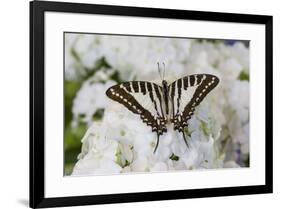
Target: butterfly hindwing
{"points": [[142, 98], [186, 94]]}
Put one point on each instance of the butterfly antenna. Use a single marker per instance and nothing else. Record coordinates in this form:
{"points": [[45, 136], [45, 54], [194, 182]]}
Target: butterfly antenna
{"points": [[159, 71], [185, 139], [156, 144], [164, 71]]}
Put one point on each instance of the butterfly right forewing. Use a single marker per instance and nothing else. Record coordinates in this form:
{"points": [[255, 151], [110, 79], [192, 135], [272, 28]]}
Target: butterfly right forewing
{"points": [[186, 94]]}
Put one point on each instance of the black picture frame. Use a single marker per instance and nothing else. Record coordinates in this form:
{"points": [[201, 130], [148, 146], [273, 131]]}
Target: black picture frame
{"points": [[37, 115]]}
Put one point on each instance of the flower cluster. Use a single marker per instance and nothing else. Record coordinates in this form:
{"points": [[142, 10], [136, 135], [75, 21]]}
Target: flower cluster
{"points": [[118, 142]]}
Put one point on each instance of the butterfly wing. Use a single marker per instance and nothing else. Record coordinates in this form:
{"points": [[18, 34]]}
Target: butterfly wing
{"points": [[142, 98], [186, 94]]}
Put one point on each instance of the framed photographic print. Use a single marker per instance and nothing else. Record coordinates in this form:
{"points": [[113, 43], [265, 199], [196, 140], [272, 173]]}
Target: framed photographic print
{"points": [[135, 104]]}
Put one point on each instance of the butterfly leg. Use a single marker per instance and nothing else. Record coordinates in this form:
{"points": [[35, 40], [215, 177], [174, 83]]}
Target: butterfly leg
{"points": [[184, 138], [156, 144]]}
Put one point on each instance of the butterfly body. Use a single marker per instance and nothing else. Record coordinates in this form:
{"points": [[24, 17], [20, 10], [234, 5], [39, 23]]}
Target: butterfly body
{"points": [[166, 96], [160, 105]]}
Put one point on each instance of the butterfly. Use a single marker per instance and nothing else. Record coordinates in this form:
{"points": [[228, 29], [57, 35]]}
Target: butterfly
{"points": [[170, 103]]}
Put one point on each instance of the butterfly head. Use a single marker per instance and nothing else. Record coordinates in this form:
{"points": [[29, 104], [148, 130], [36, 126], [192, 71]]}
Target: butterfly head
{"points": [[164, 84]]}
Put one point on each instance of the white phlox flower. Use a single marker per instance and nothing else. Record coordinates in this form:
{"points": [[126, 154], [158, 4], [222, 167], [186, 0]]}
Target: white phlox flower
{"points": [[119, 142]]}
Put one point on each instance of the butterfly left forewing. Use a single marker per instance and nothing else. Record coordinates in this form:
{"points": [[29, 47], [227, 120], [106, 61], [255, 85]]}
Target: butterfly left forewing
{"points": [[142, 98]]}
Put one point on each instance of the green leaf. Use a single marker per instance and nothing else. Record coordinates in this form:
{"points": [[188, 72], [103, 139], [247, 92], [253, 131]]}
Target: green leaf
{"points": [[73, 136], [244, 76], [247, 161], [101, 64], [174, 157], [116, 77], [75, 55], [68, 168], [204, 127], [72, 145], [70, 90], [122, 133], [187, 132], [127, 163], [118, 155], [213, 41], [98, 114]]}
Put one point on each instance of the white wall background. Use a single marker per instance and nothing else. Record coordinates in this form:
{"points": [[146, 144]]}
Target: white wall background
{"points": [[14, 97]]}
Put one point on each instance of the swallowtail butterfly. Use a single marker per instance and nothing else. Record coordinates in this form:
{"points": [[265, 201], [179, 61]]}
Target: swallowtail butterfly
{"points": [[160, 105]]}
